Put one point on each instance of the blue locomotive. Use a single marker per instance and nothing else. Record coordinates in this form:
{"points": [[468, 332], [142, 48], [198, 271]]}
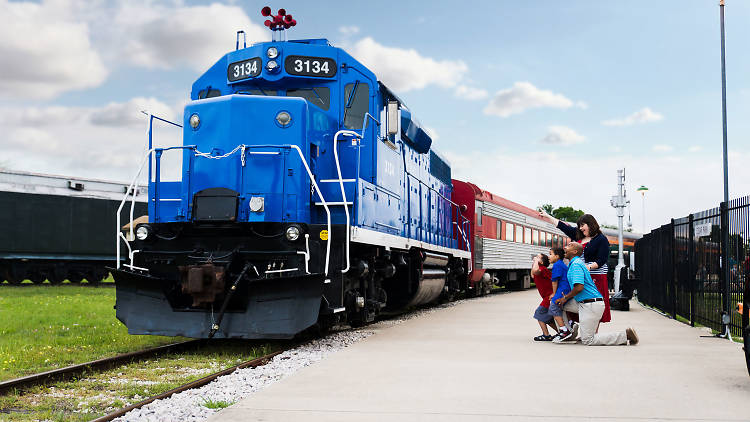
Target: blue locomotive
{"points": [[309, 196]]}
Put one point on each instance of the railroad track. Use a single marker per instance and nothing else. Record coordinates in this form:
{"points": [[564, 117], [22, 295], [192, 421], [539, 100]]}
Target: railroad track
{"points": [[193, 384], [73, 371]]}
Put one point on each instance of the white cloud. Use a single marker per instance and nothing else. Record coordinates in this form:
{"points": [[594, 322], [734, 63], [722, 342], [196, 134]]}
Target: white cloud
{"points": [[470, 93], [665, 176], [165, 37], [45, 51], [349, 30], [662, 148], [405, 69], [644, 115], [695, 148], [129, 113], [432, 133], [102, 142], [561, 135], [523, 96]]}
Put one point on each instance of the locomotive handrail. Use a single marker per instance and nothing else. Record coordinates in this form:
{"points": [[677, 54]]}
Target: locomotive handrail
{"points": [[131, 189], [341, 185], [243, 148], [315, 185], [132, 208], [458, 207]]}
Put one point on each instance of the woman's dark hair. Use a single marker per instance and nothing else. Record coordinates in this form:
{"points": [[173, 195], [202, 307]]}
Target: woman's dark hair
{"points": [[560, 252], [590, 221], [545, 260]]}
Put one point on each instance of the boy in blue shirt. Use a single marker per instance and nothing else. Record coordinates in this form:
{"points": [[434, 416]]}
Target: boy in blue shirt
{"points": [[560, 287], [590, 303]]}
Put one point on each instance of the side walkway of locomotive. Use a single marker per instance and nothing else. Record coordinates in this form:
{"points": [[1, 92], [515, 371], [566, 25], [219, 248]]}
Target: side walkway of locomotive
{"points": [[309, 195]]}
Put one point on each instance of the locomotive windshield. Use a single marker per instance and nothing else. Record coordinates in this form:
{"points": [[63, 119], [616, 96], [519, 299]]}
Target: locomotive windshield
{"points": [[319, 95]]}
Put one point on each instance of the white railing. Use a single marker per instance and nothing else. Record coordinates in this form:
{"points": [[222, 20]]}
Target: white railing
{"points": [[341, 185], [129, 192], [243, 148]]}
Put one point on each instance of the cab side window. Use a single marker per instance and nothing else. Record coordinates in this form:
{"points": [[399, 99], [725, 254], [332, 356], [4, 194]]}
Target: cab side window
{"points": [[356, 104]]}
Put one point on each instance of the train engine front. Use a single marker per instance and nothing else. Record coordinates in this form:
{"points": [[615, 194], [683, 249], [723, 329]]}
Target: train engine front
{"points": [[281, 159]]}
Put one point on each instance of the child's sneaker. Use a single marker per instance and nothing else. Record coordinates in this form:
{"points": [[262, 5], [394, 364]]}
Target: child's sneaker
{"points": [[563, 335]]}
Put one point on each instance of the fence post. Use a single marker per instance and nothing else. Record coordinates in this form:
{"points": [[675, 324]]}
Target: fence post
{"points": [[672, 272], [691, 269], [724, 211]]}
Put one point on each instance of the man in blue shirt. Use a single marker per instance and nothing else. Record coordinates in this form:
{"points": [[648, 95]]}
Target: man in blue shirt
{"points": [[590, 303]]}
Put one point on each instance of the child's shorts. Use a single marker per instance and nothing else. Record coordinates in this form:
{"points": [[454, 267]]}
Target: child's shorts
{"points": [[555, 310], [542, 314]]}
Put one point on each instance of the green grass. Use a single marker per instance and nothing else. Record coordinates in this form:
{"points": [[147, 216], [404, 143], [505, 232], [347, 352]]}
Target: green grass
{"points": [[47, 327], [219, 404], [99, 393]]}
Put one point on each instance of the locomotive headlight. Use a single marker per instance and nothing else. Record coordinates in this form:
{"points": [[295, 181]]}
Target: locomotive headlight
{"points": [[272, 66], [292, 233], [272, 52], [142, 232], [284, 118], [195, 121]]}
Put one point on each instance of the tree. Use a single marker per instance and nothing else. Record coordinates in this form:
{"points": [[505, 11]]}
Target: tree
{"points": [[562, 213], [548, 208], [567, 214]]}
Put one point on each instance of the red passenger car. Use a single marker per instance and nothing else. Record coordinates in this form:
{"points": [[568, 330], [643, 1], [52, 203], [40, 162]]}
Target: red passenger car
{"points": [[504, 237]]}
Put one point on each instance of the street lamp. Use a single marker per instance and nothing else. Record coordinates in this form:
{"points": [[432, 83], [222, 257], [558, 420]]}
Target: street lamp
{"points": [[643, 191]]}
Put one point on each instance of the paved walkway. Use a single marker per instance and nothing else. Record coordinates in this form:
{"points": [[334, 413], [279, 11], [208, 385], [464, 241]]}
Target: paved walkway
{"points": [[476, 361]]}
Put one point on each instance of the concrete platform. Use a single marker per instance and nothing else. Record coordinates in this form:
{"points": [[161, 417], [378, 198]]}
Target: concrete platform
{"points": [[476, 361]]}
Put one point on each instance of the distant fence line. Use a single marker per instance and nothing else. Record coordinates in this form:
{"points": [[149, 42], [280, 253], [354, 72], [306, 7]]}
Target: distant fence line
{"points": [[681, 265]]}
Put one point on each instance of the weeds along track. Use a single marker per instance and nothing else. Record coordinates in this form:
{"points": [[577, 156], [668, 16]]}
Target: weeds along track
{"points": [[193, 384], [74, 371]]}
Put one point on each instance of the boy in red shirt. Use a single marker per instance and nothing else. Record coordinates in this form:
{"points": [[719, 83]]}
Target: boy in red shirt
{"points": [[543, 281]]}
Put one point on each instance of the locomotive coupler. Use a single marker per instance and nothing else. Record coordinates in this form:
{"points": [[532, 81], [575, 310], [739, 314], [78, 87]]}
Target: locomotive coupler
{"points": [[202, 282]]}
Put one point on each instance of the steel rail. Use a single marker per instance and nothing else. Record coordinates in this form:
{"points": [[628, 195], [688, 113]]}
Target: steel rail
{"points": [[189, 386], [74, 370]]}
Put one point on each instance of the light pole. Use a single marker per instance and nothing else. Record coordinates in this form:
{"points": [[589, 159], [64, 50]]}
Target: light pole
{"points": [[619, 202], [643, 191]]}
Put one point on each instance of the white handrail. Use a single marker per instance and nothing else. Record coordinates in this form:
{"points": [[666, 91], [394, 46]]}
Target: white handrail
{"points": [[322, 200], [131, 188], [341, 185]]}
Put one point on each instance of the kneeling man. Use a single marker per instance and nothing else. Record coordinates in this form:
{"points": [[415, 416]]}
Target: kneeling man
{"points": [[590, 303]]}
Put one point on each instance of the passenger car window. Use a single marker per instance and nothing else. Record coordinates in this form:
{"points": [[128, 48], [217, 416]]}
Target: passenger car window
{"points": [[320, 96], [527, 235], [356, 104], [510, 230], [519, 234], [499, 233]]}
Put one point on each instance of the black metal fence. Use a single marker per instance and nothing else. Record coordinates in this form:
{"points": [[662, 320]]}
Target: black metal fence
{"points": [[680, 265]]}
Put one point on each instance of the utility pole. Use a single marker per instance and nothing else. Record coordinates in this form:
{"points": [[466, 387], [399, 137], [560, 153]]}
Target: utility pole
{"points": [[724, 103], [725, 207], [619, 202]]}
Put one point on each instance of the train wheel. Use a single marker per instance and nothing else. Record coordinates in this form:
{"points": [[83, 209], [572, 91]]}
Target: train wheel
{"points": [[75, 277], [93, 278], [56, 279]]}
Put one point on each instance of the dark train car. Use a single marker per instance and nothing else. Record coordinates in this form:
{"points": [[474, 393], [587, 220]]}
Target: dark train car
{"points": [[56, 228]]}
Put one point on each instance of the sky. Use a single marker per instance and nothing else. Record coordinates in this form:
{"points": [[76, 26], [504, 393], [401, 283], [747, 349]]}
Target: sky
{"points": [[538, 101]]}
